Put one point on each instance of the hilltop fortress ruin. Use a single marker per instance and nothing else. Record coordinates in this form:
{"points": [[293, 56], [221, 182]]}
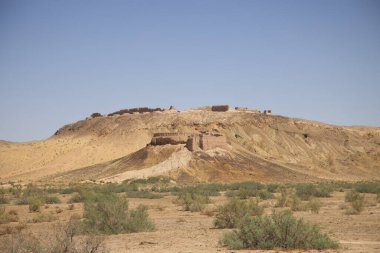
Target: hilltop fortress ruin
{"points": [[213, 108], [193, 141]]}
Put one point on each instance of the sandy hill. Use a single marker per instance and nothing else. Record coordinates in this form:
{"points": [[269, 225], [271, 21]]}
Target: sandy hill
{"points": [[261, 147]]}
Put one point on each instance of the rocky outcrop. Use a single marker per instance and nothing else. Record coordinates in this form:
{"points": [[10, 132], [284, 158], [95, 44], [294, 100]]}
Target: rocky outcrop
{"points": [[136, 110]]}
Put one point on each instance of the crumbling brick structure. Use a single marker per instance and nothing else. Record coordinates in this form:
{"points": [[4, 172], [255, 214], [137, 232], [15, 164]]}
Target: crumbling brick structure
{"points": [[241, 109], [220, 108], [208, 142], [194, 142], [268, 112], [96, 115], [169, 138]]}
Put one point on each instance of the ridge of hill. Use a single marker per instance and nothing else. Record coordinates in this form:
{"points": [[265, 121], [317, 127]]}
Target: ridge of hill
{"points": [[262, 147]]}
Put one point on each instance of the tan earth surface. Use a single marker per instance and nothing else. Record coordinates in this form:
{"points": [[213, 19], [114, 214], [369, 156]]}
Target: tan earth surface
{"points": [[183, 231]]}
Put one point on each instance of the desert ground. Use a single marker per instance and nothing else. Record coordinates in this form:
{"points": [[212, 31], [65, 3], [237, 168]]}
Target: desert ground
{"points": [[177, 230]]}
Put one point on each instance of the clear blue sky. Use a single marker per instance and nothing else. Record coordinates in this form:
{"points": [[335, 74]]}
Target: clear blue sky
{"points": [[62, 60]]}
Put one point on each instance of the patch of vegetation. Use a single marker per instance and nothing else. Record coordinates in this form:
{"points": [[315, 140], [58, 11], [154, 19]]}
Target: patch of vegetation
{"points": [[356, 200], [64, 240], [3, 198], [7, 217], [143, 194], [314, 205], [351, 195], [52, 200], [43, 218], [307, 191], [280, 230], [284, 199], [273, 188], [368, 187], [192, 200], [296, 204], [230, 214], [150, 180], [34, 204], [244, 193], [109, 214]]}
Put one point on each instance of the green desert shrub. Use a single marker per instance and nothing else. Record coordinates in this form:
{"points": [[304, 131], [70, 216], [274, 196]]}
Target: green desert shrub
{"points": [[351, 196], [230, 214], [284, 199], [43, 218], [280, 230], [358, 204], [245, 193], [3, 200], [34, 204], [273, 187], [192, 200], [367, 187], [296, 204], [306, 191], [64, 239], [245, 185], [110, 215], [314, 205], [77, 198], [145, 194], [52, 200], [6, 217], [356, 200]]}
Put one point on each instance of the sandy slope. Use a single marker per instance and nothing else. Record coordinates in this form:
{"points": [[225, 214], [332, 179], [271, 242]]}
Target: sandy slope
{"points": [[263, 142]]}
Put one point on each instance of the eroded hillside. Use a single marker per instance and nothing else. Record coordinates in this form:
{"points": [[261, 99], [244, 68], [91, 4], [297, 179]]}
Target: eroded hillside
{"points": [[264, 147]]}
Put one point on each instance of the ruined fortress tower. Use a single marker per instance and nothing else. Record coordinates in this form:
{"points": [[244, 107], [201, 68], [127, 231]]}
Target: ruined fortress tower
{"points": [[193, 141]]}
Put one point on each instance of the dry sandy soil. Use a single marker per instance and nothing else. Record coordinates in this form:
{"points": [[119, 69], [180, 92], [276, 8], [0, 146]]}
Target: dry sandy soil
{"points": [[180, 231]]}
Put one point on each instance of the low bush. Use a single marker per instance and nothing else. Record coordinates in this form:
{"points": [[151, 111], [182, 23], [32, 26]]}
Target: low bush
{"points": [[143, 194], [64, 240], [7, 217], [306, 191], [284, 199], [367, 187], [52, 200], [244, 193], [280, 230], [22, 201], [3, 199], [273, 188], [351, 196], [192, 200], [110, 215], [314, 205], [296, 204], [245, 185], [43, 218], [230, 214], [356, 200], [77, 198], [34, 204], [358, 204]]}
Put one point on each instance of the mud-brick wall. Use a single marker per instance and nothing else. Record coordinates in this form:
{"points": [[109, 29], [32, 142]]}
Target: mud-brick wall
{"points": [[193, 143], [209, 142], [169, 138], [220, 108]]}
